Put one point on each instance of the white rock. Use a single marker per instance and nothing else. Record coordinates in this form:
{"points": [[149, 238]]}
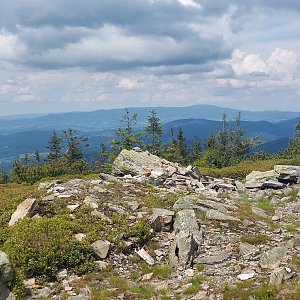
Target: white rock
{"points": [[145, 256], [275, 218], [72, 207], [24, 209], [101, 248], [246, 275]]}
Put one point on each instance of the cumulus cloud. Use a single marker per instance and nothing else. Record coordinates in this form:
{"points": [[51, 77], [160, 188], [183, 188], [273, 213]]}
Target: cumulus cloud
{"points": [[128, 84], [91, 54]]}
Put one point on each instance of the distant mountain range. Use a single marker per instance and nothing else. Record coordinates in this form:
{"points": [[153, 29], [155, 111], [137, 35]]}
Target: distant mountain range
{"points": [[110, 119], [24, 133]]}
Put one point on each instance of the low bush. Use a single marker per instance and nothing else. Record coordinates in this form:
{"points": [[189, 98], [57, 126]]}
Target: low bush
{"points": [[41, 247]]}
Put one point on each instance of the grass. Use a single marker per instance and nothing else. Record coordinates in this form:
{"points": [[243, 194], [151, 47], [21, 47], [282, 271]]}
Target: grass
{"points": [[246, 290], [255, 239], [266, 205], [195, 285]]}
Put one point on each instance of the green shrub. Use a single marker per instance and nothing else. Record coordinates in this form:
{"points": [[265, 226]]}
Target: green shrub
{"points": [[41, 247]]}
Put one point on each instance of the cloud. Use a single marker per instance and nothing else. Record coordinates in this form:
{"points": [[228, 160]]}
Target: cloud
{"points": [[128, 84], [98, 36], [5, 89]]}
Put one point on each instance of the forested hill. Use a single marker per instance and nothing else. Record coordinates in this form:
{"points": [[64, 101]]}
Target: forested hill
{"points": [[109, 119]]}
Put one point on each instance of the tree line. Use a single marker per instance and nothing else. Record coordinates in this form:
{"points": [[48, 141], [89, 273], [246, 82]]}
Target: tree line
{"points": [[66, 152]]}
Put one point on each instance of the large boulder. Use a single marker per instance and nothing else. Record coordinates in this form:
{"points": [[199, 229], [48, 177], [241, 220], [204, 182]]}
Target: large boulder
{"points": [[188, 238], [130, 162], [24, 209]]}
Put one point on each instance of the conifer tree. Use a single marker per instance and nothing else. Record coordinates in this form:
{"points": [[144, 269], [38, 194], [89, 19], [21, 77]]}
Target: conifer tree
{"points": [[74, 145], [55, 147], [154, 132], [127, 138]]}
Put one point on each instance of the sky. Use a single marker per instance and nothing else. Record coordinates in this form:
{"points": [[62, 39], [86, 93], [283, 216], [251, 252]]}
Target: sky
{"points": [[74, 55]]}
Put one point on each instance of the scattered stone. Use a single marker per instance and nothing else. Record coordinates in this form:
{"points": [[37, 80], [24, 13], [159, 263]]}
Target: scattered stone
{"points": [[147, 277], [260, 212], [214, 258], [24, 209], [246, 274], [213, 214], [247, 249], [272, 258], [162, 219], [277, 276], [80, 236], [72, 207], [145, 256], [101, 248], [91, 202], [275, 218]]}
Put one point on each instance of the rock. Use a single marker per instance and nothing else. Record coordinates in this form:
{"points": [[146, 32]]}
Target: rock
{"points": [[247, 249], [213, 214], [101, 248], [272, 184], [24, 209], [133, 205], [135, 163], [272, 258], [6, 275], [72, 207], [288, 170], [188, 238], [275, 218], [145, 256], [253, 184], [261, 176], [162, 219], [246, 274], [147, 277], [107, 177], [277, 276], [186, 202], [260, 212], [80, 236], [212, 205], [91, 202], [214, 258], [287, 173]]}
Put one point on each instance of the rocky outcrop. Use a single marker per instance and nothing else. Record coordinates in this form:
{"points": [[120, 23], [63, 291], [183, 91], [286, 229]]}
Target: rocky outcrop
{"points": [[277, 178], [188, 238], [24, 209]]}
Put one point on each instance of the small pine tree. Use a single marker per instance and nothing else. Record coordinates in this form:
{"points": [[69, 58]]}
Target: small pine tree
{"points": [[55, 147], [126, 137], [196, 150], [37, 156], [74, 145], [154, 132]]}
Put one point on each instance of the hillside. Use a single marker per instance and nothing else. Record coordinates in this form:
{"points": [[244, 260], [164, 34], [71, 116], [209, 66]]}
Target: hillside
{"points": [[171, 233]]}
